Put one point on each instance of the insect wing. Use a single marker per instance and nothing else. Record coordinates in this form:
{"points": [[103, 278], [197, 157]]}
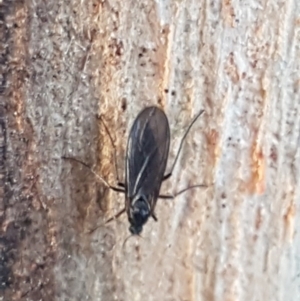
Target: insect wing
{"points": [[147, 153]]}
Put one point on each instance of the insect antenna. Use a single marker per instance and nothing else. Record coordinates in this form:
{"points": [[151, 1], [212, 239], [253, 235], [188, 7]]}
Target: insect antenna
{"points": [[127, 238], [181, 143]]}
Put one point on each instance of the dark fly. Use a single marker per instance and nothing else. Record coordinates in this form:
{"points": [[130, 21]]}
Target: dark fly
{"points": [[146, 160]]}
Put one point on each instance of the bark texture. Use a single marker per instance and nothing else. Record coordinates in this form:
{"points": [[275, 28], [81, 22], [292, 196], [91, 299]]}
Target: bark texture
{"points": [[64, 62]]}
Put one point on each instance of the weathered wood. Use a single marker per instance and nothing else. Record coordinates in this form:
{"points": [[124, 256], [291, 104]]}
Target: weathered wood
{"points": [[64, 62]]}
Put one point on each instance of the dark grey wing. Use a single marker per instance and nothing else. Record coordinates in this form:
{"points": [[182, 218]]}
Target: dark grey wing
{"points": [[147, 152]]}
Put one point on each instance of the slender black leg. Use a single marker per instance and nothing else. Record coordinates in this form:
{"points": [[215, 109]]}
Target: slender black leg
{"points": [[173, 196], [116, 215], [154, 216], [122, 190], [168, 175], [113, 145], [109, 220]]}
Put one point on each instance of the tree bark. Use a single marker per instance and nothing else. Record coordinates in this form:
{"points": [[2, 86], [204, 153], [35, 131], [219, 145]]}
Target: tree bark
{"points": [[65, 62]]}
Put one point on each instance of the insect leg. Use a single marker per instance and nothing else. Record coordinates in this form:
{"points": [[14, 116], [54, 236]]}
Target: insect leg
{"points": [[167, 176], [96, 175], [109, 220], [181, 143], [114, 147], [173, 196], [154, 216], [116, 215]]}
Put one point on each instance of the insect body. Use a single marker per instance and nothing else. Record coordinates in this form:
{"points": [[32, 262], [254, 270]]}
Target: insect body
{"points": [[146, 159]]}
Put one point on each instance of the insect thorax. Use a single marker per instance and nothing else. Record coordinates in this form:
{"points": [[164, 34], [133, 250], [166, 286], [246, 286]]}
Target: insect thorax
{"points": [[138, 213]]}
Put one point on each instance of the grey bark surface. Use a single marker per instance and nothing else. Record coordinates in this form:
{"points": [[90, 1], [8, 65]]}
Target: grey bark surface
{"points": [[64, 62]]}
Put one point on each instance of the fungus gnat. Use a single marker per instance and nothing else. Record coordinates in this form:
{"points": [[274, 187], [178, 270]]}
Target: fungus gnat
{"points": [[145, 165]]}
